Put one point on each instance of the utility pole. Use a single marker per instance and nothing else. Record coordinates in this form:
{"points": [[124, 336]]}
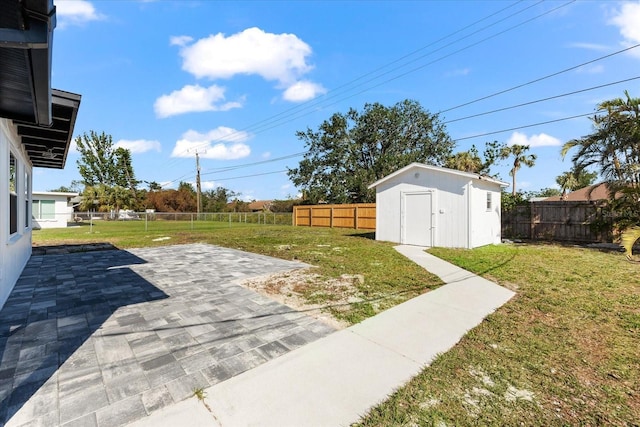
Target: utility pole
{"points": [[198, 187]]}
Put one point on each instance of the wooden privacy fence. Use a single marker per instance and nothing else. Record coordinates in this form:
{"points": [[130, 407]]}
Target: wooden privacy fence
{"points": [[358, 216], [562, 221]]}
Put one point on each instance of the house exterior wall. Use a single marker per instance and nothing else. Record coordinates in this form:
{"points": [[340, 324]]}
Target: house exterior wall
{"points": [[459, 216], [15, 247], [63, 212]]}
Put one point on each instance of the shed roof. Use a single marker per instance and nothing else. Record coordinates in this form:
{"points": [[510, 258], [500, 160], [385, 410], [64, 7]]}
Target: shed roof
{"points": [[44, 117], [423, 166]]}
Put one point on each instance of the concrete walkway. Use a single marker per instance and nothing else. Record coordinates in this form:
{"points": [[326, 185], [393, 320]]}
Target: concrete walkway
{"points": [[335, 380]]}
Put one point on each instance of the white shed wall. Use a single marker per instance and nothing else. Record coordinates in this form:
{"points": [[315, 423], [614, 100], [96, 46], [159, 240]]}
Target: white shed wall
{"points": [[449, 219], [486, 227], [15, 249]]}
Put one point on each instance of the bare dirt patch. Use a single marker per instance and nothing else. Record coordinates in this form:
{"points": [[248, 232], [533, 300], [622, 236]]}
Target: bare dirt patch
{"points": [[308, 292]]}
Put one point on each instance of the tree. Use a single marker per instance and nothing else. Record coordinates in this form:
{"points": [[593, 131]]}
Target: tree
{"points": [[154, 186], [546, 192], [96, 163], [181, 200], [520, 158], [217, 200], [575, 179], [467, 161], [123, 169], [470, 161], [108, 169], [350, 151], [62, 189], [614, 149]]}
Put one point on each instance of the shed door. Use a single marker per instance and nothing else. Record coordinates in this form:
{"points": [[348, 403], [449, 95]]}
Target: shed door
{"points": [[416, 219]]}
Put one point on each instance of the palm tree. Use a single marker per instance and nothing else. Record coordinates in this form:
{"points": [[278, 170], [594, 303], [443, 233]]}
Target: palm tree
{"points": [[614, 148], [467, 161], [520, 158], [566, 181]]}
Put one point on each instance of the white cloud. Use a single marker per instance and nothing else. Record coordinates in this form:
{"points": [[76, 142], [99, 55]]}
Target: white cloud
{"points": [[266, 155], [193, 98], [627, 19], [75, 12], [138, 145], [303, 91], [208, 185], [180, 40], [592, 69], [590, 46], [282, 58], [222, 143], [540, 140], [459, 72]]}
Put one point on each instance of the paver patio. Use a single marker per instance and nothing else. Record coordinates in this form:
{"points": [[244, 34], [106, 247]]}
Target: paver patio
{"points": [[108, 337]]}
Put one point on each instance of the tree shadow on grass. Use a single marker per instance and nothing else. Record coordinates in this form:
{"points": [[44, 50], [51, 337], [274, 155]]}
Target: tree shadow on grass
{"points": [[62, 297]]}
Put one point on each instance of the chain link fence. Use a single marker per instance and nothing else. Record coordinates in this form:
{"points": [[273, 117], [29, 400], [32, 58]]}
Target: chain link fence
{"points": [[165, 220]]}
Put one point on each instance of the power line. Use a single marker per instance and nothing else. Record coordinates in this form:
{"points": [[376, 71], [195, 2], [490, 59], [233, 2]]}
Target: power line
{"points": [[302, 113], [539, 79], [251, 176], [541, 100], [523, 127], [456, 139], [298, 154], [230, 168], [477, 100], [270, 123], [315, 102]]}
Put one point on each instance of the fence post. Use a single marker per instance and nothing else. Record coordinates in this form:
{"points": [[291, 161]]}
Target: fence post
{"points": [[355, 216], [532, 221], [310, 216], [331, 217]]}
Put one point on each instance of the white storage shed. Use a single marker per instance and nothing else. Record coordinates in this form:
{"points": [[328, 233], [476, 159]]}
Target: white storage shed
{"points": [[426, 205]]}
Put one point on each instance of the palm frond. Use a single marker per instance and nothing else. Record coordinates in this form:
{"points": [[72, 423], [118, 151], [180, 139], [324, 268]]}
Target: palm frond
{"points": [[628, 239]]}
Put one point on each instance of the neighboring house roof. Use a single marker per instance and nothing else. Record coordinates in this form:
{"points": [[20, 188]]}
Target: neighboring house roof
{"points": [[53, 193], [44, 117], [422, 166], [591, 193], [260, 205]]}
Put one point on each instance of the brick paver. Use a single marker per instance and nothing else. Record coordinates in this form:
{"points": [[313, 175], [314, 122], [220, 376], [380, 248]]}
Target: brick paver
{"points": [[106, 337]]}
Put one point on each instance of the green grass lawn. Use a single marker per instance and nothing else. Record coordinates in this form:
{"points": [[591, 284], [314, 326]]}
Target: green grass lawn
{"points": [[389, 278], [564, 351]]}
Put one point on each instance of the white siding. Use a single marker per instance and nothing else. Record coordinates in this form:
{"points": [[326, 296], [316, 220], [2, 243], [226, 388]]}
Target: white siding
{"points": [[485, 224], [15, 249], [459, 215], [62, 212]]}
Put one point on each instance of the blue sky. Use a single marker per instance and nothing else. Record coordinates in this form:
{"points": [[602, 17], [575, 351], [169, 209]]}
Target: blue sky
{"points": [[235, 80]]}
